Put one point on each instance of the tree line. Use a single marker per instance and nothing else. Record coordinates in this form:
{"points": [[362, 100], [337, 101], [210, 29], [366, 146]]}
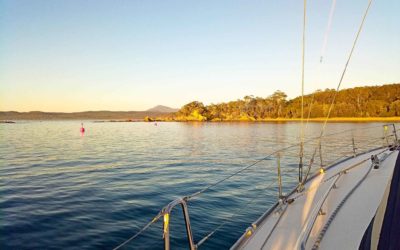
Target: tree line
{"points": [[369, 101]]}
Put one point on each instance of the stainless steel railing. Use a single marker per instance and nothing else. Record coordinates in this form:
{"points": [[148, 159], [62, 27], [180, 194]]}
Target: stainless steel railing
{"points": [[323, 157]]}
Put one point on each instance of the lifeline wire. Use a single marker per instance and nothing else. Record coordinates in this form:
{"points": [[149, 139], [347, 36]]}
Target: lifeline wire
{"points": [[154, 220], [157, 217], [338, 87], [302, 132]]}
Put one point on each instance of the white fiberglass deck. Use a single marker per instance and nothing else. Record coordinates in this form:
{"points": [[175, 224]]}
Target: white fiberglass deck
{"points": [[286, 227]]}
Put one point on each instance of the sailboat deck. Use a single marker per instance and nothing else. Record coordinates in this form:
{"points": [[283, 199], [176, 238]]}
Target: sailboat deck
{"points": [[301, 222]]}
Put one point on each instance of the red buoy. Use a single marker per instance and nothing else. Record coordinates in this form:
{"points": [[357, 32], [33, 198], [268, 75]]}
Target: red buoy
{"points": [[82, 129]]}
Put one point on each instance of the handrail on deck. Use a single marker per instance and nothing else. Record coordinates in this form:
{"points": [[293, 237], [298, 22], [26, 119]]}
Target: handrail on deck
{"points": [[166, 211], [306, 231], [385, 127]]}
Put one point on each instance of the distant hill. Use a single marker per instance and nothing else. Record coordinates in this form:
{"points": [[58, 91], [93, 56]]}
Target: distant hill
{"points": [[162, 109], [369, 101], [88, 115], [157, 111]]}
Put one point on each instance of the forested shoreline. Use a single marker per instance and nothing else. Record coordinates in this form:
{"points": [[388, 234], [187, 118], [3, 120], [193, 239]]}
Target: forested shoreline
{"points": [[360, 102]]}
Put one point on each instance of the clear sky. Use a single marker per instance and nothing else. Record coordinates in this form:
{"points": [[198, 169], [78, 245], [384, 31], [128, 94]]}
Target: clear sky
{"points": [[77, 55]]}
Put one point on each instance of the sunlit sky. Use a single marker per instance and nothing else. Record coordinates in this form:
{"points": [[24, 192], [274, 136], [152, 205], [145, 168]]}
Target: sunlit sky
{"points": [[132, 55]]}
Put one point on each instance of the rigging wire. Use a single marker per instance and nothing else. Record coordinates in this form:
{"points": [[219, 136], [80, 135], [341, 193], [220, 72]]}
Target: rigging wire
{"points": [[309, 111], [154, 220], [338, 87], [323, 51], [302, 93], [158, 216], [194, 195], [190, 197], [327, 31], [238, 211], [331, 177], [242, 208]]}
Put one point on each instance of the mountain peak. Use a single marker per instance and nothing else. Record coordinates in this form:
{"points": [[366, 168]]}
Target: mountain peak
{"points": [[162, 109]]}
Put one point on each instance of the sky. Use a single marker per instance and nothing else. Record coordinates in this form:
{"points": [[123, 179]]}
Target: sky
{"points": [[76, 55]]}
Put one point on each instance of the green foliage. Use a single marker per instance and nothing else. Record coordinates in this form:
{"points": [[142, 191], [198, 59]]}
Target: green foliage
{"points": [[371, 101], [194, 111], [148, 119]]}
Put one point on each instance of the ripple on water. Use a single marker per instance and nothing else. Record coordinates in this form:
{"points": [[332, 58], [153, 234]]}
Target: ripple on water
{"points": [[63, 191]]}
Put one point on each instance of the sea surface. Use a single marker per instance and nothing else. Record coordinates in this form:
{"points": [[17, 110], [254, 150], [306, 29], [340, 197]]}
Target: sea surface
{"points": [[63, 190]]}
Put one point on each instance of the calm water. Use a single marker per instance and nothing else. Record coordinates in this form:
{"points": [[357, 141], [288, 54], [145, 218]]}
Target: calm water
{"points": [[61, 190]]}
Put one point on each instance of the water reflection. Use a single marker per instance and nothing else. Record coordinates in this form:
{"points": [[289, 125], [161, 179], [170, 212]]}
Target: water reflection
{"points": [[61, 190]]}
